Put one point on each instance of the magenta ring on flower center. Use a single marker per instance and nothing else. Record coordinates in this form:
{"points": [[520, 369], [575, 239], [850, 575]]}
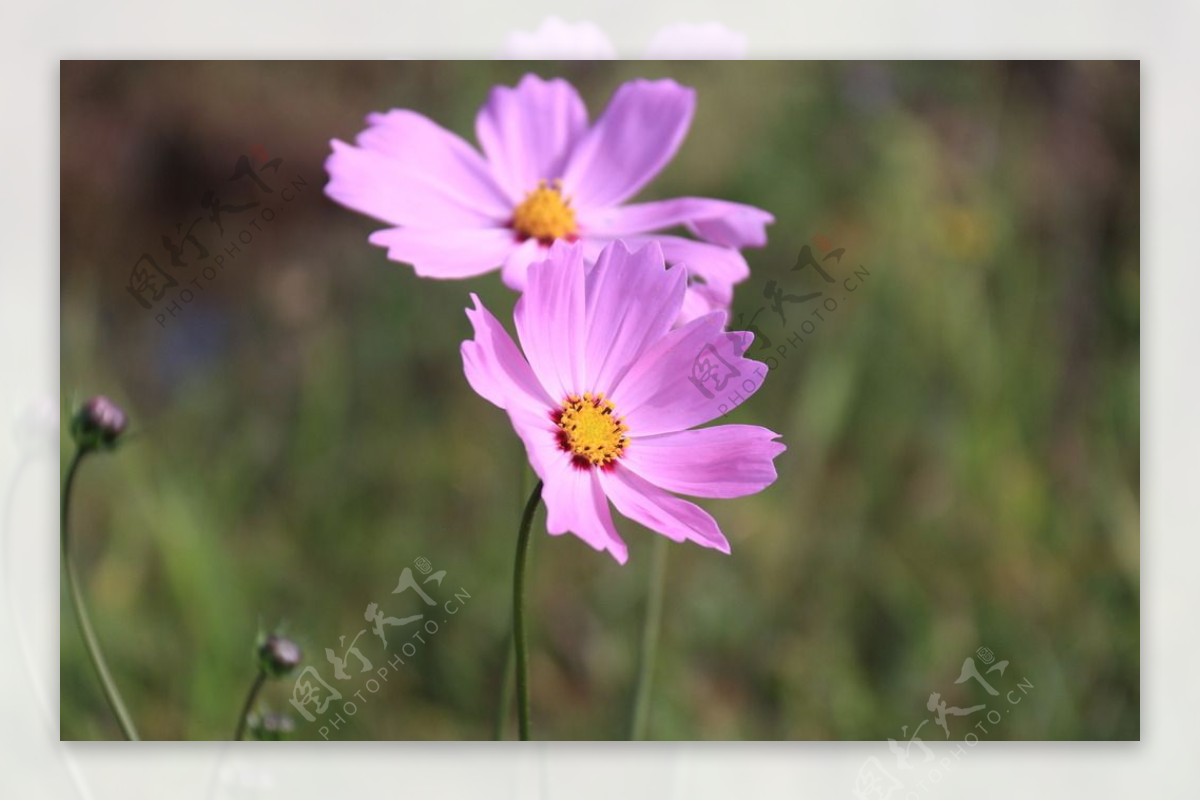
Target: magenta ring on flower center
{"points": [[590, 431]]}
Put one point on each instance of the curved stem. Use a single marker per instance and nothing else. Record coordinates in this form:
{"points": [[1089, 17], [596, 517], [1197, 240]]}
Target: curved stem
{"points": [[519, 613], [506, 679], [650, 629], [254, 688], [90, 641], [506, 691]]}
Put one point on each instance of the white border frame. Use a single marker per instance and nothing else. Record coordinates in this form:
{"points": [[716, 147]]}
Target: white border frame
{"points": [[36, 36]]}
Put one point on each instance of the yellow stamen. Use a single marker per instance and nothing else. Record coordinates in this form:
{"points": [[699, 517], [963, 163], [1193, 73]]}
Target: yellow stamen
{"points": [[545, 214], [589, 430]]}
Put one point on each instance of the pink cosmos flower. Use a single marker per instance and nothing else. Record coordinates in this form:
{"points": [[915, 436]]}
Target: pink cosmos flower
{"points": [[545, 175], [599, 392]]}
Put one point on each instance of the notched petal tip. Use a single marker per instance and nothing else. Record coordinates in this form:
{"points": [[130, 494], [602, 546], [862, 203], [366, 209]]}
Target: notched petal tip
{"points": [[335, 167], [379, 238], [560, 255], [531, 80], [337, 146], [651, 249], [742, 340], [475, 312], [565, 249], [718, 318], [618, 550], [376, 118]]}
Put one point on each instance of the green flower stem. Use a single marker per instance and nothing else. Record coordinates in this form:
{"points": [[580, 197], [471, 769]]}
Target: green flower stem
{"points": [[519, 613], [254, 688], [90, 641], [506, 680], [506, 690], [650, 631]]}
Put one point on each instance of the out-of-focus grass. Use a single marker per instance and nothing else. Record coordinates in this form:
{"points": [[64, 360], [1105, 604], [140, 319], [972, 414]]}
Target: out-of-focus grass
{"points": [[963, 431]]}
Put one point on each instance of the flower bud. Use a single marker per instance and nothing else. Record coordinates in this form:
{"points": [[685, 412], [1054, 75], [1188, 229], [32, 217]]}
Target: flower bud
{"points": [[279, 656], [271, 726], [98, 424]]}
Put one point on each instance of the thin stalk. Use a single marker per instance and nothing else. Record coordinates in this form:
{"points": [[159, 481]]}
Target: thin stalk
{"points": [[519, 613], [506, 679], [259, 680], [506, 687], [650, 632], [90, 641]]}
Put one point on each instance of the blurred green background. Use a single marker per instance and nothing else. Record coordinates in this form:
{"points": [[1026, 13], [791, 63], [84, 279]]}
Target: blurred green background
{"points": [[962, 467]]}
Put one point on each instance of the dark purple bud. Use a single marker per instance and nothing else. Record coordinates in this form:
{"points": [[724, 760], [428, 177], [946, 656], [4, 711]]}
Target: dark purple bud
{"points": [[279, 655], [98, 424]]}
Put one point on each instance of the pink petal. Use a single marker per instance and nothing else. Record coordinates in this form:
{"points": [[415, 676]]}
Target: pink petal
{"points": [[539, 436], [719, 462], [407, 170], [675, 518], [528, 132], [497, 370], [701, 299], [432, 155], [631, 303], [550, 320], [710, 284], [716, 268], [516, 267], [447, 253], [637, 135], [575, 503], [665, 390], [721, 222], [574, 500], [720, 267]]}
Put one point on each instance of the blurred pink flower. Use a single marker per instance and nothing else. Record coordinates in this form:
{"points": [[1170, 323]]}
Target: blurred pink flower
{"points": [[544, 175], [599, 393], [557, 39], [708, 40]]}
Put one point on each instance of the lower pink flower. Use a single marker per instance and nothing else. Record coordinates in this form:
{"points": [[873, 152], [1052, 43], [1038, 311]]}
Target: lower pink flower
{"points": [[603, 394]]}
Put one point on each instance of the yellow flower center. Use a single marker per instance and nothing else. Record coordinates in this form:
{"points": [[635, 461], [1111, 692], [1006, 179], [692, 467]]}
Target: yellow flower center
{"points": [[545, 214], [588, 429]]}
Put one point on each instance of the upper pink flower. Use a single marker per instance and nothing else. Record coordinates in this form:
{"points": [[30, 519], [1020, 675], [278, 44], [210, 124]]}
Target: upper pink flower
{"points": [[544, 175], [602, 400]]}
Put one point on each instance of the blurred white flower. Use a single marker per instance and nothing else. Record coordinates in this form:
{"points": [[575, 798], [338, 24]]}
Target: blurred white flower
{"points": [[36, 427], [558, 39], [707, 40]]}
